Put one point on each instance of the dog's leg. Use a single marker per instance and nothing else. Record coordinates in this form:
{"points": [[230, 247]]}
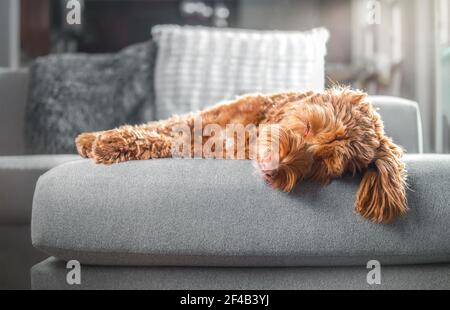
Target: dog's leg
{"points": [[154, 140], [130, 143]]}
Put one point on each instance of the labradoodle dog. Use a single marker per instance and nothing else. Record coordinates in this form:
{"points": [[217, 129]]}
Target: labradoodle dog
{"points": [[320, 137]]}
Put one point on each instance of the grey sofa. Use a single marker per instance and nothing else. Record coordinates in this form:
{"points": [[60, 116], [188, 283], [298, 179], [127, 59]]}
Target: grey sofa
{"points": [[212, 224], [194, 224], [18, 176], [209, 224]]}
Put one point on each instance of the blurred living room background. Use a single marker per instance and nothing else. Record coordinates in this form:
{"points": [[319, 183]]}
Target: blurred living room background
{"points": [[386, 47]]}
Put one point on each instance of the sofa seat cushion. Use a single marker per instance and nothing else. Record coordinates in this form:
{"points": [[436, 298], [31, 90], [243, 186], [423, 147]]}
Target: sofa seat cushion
{"points": [[220, 213], [18, 177]]}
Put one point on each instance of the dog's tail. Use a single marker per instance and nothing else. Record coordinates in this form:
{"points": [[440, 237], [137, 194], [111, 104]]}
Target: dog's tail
{"points": [[382, 194]]}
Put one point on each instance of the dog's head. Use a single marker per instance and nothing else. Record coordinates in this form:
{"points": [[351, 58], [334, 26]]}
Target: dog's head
{"points": [[326, 135], [311, 143]]}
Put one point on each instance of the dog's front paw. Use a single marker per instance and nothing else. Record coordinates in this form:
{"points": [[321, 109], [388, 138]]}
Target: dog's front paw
{"points": [[268, 169], [84, 143], [113, 146], [277, 174]]}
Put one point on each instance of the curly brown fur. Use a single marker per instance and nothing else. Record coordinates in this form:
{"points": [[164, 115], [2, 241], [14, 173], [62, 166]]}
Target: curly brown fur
{"points": [[84, 143], [321, 136]]}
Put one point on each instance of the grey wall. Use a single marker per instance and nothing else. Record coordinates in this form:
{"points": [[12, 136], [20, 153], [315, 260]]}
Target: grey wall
{"points": [[9, 33], [303, 15]]}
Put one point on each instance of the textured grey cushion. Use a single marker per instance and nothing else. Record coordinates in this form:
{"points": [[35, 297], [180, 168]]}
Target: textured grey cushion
{"points": [[402, 121], [51, 274], [13, 97], [220, 213], [73, 93], [18, 176], [199, 66]]}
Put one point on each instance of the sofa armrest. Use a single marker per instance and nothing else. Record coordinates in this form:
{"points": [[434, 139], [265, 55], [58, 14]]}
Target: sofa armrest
{"points": [[402, 121], [18, 176], [13, 97]]}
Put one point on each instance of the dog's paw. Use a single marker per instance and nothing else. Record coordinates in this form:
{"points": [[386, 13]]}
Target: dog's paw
{"points": [[84, 143], [113, 146], [282, 158], [268, 169], [276, 174]]}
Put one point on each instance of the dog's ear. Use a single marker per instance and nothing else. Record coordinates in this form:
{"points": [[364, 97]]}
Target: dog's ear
{"points": [[382, 193]]}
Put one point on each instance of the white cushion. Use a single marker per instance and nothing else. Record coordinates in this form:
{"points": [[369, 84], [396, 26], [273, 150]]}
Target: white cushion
{"points": [[200, 66]]}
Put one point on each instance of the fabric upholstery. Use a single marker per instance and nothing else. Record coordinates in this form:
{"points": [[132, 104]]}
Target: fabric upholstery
{"points": [[18, 176], [402, 121], [220, 213], [73, 93], [199, 66], [51, 274], [13, 97]]}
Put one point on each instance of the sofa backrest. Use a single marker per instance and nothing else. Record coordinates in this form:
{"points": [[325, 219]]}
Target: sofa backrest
{"points": [[401, 117], [13, 98]]}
